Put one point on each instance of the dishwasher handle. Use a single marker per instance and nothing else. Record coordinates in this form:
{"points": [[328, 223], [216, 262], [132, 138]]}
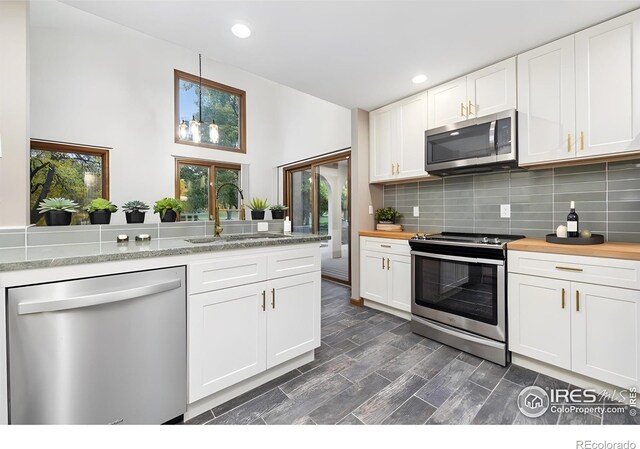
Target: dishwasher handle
{"points": [[97, 299]]}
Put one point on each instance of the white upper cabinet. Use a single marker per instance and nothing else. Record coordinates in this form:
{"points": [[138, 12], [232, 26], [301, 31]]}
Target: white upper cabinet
{"points": [[579, 97], [396, 134], [608, 86], [546, 98], [486, 91]]}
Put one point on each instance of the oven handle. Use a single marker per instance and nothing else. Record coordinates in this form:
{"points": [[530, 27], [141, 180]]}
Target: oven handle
{"points": [[458, 258]]}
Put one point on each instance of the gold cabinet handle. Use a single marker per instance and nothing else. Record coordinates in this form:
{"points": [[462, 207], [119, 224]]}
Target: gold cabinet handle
{"points": [[577, 300], [568, 268], [563, 292], [462, 110], [388, 263], [569, 143], [392, 169], [469, 108], [386, 246], [581, 140], [383, 267], [273, 298], [264, 299], [397, 168]]}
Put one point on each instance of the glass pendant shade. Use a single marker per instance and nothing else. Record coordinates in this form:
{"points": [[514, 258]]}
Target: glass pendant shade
{"points": [[194, 128], [183, 130], [214, 135]]}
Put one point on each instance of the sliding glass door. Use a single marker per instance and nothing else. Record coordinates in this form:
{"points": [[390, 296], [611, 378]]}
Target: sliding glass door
{"points": [[317, 193]]}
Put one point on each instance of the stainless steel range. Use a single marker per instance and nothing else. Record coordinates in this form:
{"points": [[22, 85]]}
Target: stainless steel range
{"points": [[459, 291]]}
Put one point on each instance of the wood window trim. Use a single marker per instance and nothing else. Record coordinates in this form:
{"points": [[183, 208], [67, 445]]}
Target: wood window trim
{"points": [[212, 166], [57, 147], [177, 76]]}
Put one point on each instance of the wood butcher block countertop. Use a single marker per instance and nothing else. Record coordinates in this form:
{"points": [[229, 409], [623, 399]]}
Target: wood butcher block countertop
{"points": [[398, 235], [614, 250]]}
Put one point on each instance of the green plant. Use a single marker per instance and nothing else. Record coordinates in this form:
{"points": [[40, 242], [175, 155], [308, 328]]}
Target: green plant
{"points": [[278, 207], [101, 204], [135, 206], [387, 214], [62, 204], [163, 205], [258, 204]]}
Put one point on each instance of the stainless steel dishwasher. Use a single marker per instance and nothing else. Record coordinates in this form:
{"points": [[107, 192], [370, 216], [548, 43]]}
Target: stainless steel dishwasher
{"points": [[102, 350]]}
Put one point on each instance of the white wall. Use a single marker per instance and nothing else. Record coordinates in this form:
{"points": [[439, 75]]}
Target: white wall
{"points": [[95, 82], [14, 113]]}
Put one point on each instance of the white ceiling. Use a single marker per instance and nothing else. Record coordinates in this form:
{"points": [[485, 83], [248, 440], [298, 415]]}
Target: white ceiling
{"points": [[358, 53]]}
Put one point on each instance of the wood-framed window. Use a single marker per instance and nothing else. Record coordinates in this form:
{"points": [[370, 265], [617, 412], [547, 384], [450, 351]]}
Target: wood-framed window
{"points": [[196, 184], [224, 105], [77, 172]]}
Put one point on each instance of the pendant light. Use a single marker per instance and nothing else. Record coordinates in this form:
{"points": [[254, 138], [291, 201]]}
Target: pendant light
{"points": [[194, 128], [214, 135], [183, 129]]}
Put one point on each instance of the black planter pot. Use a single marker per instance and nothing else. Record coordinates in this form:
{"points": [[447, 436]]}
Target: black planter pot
{"points": [[57, 218], [257, 215], [100, 217], [135, 216], [169, 216], [277, 214]]}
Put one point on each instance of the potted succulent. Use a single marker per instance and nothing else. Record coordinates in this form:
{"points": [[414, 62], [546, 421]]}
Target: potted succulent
{"points": [[168, 208], [57, 211], [100, 211], [258, 206], [387, 215], [134, 211], [277, 211]]}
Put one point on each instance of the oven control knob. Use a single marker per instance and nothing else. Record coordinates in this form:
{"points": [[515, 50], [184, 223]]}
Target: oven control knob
{"points": [[496, 241], [485, 239], [416, 237]]}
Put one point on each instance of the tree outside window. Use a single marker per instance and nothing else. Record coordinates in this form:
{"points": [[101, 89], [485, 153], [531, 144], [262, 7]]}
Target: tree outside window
{"points": [[74, 172]]}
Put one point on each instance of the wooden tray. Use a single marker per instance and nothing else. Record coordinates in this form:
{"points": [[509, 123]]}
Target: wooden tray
{"points": [[595, 239]]}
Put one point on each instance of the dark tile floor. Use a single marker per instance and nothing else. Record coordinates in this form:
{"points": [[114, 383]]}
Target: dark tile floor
{"points": [[370, 369]]}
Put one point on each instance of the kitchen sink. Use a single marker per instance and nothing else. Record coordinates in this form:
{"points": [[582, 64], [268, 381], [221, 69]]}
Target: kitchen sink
{"points": [[236, 238]]}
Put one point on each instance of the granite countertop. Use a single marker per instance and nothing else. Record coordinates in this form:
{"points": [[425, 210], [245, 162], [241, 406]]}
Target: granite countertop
{"points": [[614, 250], [30, 257]]}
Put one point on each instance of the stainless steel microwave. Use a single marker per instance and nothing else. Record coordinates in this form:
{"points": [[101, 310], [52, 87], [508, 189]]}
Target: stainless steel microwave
{"points": [[483, 144]]}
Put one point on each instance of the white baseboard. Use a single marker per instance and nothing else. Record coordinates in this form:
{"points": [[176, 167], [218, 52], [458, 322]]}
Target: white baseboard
{"points": [[231, 392], [385, 308]]}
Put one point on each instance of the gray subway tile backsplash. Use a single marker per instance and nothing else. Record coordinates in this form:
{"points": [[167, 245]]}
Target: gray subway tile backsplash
{"points": [[607, 197]]}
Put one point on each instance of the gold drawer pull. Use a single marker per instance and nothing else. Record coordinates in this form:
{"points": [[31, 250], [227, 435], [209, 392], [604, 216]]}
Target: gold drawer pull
{"points": [[558, 267], [273, 294], [569, 143], [462, 110], [469, 108], [581, 140], [563, 298], [264, 299], [383, 267], [388, 263], [386, 246], [577, 300]]}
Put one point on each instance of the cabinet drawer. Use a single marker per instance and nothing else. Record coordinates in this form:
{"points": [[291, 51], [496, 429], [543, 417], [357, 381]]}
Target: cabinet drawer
{"points": [[591, 270], [297, 261], [220, 273], [389, 246]]}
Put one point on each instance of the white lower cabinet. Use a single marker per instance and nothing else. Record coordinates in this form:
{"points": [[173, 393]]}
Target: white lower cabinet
{"points": [[237, 332], [586, 328], [385, 272]]}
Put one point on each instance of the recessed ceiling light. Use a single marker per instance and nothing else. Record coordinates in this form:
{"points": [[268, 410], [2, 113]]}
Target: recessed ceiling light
{"points": [[419, 79], [241, 30]]}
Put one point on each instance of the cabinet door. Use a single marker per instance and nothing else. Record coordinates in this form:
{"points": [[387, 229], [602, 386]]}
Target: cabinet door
{"points": [[413, 123], [399, 271], [492, 89], [373, 276], [539, 325], [293, 317], [608, 86], [447, 103], [546, 103], [381, 139], [226, 338], [605, 333]]}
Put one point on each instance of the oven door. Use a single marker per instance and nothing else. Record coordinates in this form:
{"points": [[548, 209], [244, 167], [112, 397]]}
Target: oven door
{"points": [[463, 292]]}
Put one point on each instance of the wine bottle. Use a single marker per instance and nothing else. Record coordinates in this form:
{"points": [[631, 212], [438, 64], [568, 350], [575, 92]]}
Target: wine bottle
{"points": [[572, 222]]}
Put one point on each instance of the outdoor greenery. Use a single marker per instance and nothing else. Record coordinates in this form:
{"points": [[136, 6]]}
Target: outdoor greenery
{"points": [[217, 105], [387, 214], [62, 204], [56, 174], [101, 204], [258, 204], [163, 205], [135, 206], [194, 189]]}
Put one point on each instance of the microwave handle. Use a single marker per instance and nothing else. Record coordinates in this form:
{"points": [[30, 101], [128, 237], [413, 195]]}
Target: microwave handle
{"points": [[492, 136]]}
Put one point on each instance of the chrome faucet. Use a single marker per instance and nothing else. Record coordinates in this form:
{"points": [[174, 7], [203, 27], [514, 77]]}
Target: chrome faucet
{"points": [[217, 228]]}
